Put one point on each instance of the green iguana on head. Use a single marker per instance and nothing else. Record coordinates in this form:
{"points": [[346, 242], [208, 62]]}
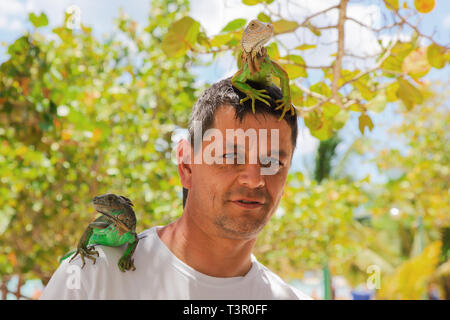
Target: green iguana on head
{"points": [[258, 67], [115, 227]]}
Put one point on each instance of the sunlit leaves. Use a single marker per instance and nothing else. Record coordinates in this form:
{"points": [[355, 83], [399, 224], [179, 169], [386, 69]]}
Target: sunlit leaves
{"points": [[38, 21], [284, 26], [409, 94], [306, 46], [436, 56], [294, 71], [364, 121], [391, 4], [317, 223], [424, 6], [398, 53], [251, 2], [391, 91], [410, 279], [234, 25], [69, 117], [180, 37], [416, 63], [264, 17], [221, 39], [272, 51], [313, 29]]}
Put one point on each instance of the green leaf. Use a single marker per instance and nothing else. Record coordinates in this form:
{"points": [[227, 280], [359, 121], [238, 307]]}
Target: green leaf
{"points": [[313, 120], [180, 37], [398, 53], [221, 39], [295, 59], [391, 4], [284, 26], [313, 29], [416, 63], [436, 56], [378, 103], [294, 71], [365, 90], [424, 6], [409, 94], [325, 131], [330, 110], [355, 107], [296, 95], [264, 17], [340, 119], [391, 92], [364, 121], [272, 51], [38, 21], [251, 2], [321, 88], [234, 25], [305, 46]]}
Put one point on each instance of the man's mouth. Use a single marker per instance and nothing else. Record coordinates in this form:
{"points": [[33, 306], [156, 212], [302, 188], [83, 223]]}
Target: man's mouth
{"points": [[248, 204]]}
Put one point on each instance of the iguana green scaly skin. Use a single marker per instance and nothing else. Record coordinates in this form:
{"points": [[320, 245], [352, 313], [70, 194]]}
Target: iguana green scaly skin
{"points": [[115, 227], [258, 67]]}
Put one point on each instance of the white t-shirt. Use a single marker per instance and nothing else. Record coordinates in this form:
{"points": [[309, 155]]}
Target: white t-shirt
{"points": [[159, 274]]}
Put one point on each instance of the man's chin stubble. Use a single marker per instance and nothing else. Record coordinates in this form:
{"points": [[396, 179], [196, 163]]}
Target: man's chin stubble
{"points": [[235, 228]]}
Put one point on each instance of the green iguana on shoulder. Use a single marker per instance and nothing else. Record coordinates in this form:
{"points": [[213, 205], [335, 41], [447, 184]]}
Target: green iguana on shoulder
{"points": [[258, 67], [115, 227]]}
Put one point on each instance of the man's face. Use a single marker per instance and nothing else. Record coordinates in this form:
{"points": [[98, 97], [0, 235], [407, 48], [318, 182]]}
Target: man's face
{"points": [[216, 188]]}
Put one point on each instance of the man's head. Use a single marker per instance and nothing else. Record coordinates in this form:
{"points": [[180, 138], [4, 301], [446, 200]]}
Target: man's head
{"points": [[215, 188]]}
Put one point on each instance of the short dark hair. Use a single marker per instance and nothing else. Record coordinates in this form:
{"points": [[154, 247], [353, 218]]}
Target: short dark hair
{"points": [[223, 93]]}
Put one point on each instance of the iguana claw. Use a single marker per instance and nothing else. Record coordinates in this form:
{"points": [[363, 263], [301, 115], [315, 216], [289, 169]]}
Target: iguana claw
{"points": [[256, 94], [85, 253], [126, 263], [287, 106]]}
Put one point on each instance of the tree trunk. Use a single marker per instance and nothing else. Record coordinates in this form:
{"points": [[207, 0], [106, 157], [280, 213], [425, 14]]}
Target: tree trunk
{"points": [[4, 287], [19, 286]]}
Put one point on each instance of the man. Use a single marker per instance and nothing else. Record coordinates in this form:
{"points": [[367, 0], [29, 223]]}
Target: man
{"points": [[206, 253]]}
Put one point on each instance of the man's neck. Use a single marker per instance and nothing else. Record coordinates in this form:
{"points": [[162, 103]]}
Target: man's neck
{"points": [[210, 255]]}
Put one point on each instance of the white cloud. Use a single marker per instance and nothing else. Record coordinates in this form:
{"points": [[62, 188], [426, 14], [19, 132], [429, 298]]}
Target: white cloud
{"points": [[11, 7], [11, 15], [446, 22]]}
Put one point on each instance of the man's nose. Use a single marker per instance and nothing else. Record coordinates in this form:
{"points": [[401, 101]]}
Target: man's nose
{"points": [[250, 176]]}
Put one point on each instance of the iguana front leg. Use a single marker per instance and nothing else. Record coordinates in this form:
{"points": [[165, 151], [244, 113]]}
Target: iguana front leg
{"points": [[238, 81], [126, 262], [82, 248], [285, 102]]}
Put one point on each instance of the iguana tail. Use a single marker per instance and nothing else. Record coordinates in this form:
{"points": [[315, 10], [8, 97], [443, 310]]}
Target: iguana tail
{"points": [[67, 255]]}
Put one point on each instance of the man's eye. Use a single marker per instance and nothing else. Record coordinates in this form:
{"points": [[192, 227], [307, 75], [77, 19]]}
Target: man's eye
{"points": [[229, 155], [268, 162]]}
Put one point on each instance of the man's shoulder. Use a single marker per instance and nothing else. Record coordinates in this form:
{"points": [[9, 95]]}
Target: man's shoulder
{"points": [[74, 279], [280, 289]]}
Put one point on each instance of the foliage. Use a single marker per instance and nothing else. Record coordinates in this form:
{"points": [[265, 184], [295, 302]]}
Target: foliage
{"points": [[395, 74], [315, 223], [410, 279], [80, 117]]}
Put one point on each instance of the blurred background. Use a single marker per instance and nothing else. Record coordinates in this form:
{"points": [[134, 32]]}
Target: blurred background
{"points": [[95, 95]]}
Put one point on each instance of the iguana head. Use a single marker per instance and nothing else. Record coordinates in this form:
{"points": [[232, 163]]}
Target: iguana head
{"points": [[111, 203], [255, 35]]}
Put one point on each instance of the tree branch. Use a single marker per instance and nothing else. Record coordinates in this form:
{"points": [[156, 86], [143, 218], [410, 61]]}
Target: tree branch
{"points": [[340, 52]]}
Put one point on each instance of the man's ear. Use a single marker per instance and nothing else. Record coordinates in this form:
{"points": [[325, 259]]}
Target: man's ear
{"points": [[184, 157]]}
